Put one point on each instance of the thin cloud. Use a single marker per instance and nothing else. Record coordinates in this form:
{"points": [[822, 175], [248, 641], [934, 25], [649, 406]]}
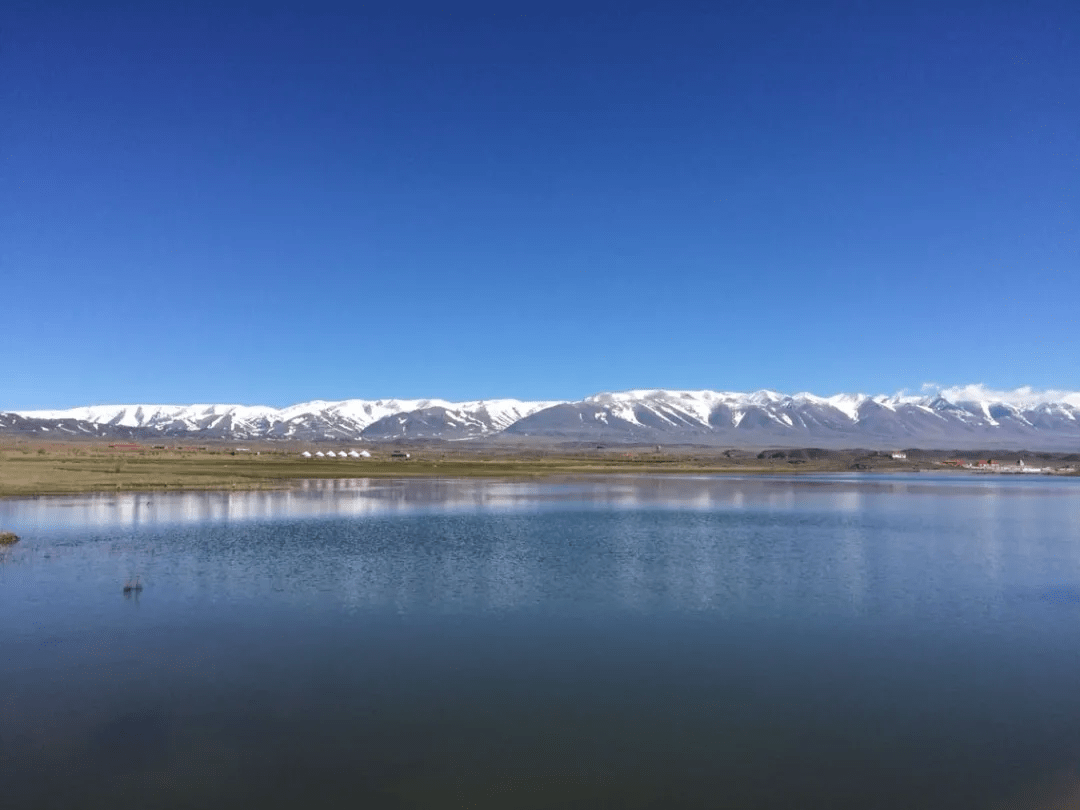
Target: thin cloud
{"points": [[1025, 395]]}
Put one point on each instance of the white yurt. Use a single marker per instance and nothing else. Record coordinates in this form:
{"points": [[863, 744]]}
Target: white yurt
{"points": [[353, 454], [306, 454], [320, 454], [365, 454]]}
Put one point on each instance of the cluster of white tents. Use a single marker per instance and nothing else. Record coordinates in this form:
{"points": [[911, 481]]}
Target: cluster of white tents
{"points": [[332, 454]]}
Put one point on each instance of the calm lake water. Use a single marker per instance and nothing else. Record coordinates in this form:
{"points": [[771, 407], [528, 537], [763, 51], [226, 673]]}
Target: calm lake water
{"points": [[708, 642]]}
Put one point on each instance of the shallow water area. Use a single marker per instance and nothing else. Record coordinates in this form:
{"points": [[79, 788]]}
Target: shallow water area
{"points": [[815, 641]]}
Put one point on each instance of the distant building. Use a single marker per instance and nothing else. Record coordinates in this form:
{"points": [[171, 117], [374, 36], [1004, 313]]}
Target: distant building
{"points": [[900, 454], [306, 454]]}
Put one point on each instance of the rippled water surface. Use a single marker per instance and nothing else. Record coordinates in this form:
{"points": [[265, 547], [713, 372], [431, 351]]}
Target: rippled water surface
{"points": [[819, 642]]}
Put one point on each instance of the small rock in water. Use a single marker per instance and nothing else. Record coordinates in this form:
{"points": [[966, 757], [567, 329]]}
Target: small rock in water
{"points": [[8, 538]]}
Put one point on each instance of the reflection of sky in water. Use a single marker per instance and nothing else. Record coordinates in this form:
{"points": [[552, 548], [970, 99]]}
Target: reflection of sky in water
{"points": [[358, 497], [824, 543], [694, 634]]}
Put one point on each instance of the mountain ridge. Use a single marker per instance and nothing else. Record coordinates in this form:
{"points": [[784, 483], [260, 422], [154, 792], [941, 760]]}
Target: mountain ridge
{"points": [[967, 416]]}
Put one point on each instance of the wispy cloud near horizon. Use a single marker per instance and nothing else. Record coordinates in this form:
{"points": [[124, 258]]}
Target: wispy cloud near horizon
{"points": [[1025, 395]]}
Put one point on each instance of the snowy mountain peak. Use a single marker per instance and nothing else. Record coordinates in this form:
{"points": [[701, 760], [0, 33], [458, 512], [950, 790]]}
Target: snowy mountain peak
{"points": [[940, 417]]}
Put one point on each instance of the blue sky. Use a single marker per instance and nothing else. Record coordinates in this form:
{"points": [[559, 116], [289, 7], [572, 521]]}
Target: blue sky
{"points": [[273, 202]]}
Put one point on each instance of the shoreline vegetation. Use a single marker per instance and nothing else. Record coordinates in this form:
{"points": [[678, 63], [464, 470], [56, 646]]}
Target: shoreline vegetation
{"points": [[34, 467]]}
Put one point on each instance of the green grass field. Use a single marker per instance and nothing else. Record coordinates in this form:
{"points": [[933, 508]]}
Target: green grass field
{"points": [[44, 468], [39, 468]]}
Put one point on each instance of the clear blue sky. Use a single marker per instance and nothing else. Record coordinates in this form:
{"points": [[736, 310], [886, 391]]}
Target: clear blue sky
{"points": [[272, 202]]}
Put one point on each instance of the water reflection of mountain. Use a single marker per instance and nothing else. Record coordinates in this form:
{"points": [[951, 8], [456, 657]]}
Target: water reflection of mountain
{"points": [[699, 543], [358, 497]]}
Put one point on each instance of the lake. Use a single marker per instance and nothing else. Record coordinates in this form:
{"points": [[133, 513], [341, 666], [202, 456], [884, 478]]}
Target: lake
{"points": [[658, 642]]}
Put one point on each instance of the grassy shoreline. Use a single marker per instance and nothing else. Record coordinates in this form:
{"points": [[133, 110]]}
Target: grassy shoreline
{"points": [[34, 475], [58, 469]]}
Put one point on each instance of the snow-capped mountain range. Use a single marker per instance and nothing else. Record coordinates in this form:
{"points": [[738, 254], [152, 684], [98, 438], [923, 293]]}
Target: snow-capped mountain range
{"points": [[315, 421], [970, 416]]}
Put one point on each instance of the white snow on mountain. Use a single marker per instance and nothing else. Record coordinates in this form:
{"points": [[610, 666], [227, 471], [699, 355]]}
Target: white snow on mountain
{"points": [[345, 417], [971, 413], [697, 406], [143, 415]]}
